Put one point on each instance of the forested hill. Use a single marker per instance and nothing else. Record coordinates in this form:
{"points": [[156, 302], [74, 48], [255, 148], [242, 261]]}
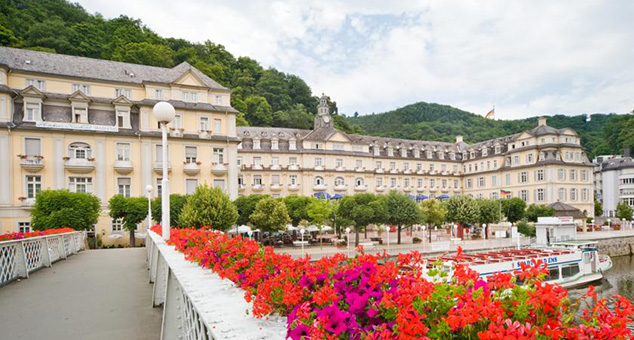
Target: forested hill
{"points": [[603, 134], [266, 97]]}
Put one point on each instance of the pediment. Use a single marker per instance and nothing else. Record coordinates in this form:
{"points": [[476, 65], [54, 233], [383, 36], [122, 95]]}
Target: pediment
{"points": [[32, 91], [78, 96], [524, 135], [338, 137], [189, 78], [122, 100]]}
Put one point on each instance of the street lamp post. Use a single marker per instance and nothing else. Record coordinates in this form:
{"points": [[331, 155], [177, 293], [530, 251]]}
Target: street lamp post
{"points": [[387, 231], [148, 190], [348, 240], [164, 113], [302, 231]]}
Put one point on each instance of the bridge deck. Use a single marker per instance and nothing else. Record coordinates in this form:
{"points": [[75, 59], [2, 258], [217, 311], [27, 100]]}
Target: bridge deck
{"points": [[97, 294]]}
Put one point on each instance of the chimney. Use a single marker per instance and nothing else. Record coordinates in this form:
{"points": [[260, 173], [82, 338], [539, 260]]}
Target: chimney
{"points": [[459, 139], [626, 152], [541, 121]]}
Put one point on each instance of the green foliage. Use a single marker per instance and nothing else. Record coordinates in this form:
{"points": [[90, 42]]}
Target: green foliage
{"points": [[318, 212], [433, 212], [144, 53], [488, 211], [526, 229], [132, 210], [270, 214], [624, 211], [177, 202], [463, 209], [598, 207], [246, 206], [400, 210], [296, 208], [208, 206], [538, 210], [513, 209], [62, 208], [360, 210]]}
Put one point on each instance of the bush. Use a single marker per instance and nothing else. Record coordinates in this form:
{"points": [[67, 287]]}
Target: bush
{"points": [[270, 215], [62, 208], [177, 202], [208, 206], [416, 240], [526, 229], [538, 210]]}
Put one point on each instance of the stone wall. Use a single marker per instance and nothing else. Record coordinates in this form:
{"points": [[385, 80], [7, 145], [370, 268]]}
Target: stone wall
{"points": [[616, 246]]}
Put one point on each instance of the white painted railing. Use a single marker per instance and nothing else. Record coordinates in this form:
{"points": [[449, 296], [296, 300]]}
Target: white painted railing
{"points": [[198, 304], [20, 257]]}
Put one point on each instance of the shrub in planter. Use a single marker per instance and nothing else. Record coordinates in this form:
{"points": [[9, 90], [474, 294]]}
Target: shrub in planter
{"points": [[416, 240]]}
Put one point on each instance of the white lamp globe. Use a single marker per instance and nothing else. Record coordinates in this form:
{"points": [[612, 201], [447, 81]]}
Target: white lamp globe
{"points": [[347, 230], [302, 231], [149, 188], [164, 112]]}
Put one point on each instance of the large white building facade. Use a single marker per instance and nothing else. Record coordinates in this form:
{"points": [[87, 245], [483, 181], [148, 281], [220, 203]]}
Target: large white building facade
{"points": [[615, 182]]}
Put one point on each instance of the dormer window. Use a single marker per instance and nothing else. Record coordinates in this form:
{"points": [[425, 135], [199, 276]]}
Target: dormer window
{"points": [[123, 119], [274, 144], [316, 146], [256, 144], [37, 83], [377, 150], [81, 87], [204, 123], [417, 153], [189, 96], [472, 155], [441, 155], [292, 144], [218, 100], [485, 152], [428, 154], [80, 115], [32, 112], [464, 156], [122, 92], [452, 156], [403, 152], [390, 151], [498, 149], [158, 94]]}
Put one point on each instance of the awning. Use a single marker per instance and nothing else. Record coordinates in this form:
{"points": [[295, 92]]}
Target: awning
{"points": [[442, 197], [336, 196], [421, 197]]}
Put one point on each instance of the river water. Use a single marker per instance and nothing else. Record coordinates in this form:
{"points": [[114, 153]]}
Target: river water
{"points": [[618, 280]]}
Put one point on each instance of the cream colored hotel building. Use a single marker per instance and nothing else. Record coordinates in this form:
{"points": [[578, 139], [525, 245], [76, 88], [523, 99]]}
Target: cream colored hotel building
{"points": [[84, 124]]}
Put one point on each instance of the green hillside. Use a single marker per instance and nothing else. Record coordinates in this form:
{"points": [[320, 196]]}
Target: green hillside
{"points": [[603, 134]]}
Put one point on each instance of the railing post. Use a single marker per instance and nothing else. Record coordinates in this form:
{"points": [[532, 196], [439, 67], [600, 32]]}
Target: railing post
{"points": [[61, 247], [20, 261], [46, 255], [171, 327], [160, 282], [154, 263]]}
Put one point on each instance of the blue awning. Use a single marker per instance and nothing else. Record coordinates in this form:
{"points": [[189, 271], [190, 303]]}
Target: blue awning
{"points": [[321, 195], [442, 197], [411, 196], [421, 197], [336, 196]]}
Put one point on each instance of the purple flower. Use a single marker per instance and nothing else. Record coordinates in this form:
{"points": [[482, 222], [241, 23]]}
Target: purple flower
{"points": [[299, 332], [305, 281], [357, 303], [373, 312], [336, 320]]}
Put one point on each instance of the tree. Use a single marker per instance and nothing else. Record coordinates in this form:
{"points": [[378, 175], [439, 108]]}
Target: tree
{"points": [[488, 211], [258, 111], [538, 210], [270, 215], [296, 207], [432, 214], [177, 202], [598, 207], [246, 206], [62, 208], [132, 211], [624, 211], [208, 206], [513, 209], [144, 53], [360, 210], [400, 211], [463, 210]]}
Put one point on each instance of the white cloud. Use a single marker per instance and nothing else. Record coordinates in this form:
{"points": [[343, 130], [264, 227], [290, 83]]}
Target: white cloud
{"points": [[526, 57]]}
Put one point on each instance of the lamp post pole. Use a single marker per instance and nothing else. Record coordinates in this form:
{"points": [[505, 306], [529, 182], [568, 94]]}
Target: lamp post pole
{"points": [[302, 231], [149, 189], [348, 240], [164, 113]]}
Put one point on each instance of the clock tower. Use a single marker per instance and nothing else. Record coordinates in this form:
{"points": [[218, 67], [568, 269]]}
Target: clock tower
{"points": [[323, 118]]}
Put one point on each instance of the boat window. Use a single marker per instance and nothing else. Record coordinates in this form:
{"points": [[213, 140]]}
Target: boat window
{"points": [[553, 273], [570, 270]]}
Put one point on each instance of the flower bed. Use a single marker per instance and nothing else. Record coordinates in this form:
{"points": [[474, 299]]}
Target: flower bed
{"points": [[370, 298], [17, 236]]}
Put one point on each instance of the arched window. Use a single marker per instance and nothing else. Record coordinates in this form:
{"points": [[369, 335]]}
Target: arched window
{"points": [[339, 181], [358, 181], [79, 151], [319, 180]]}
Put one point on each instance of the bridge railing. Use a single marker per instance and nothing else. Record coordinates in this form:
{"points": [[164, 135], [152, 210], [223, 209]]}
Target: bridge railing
{"points": [[198, 304], [20, 257]]}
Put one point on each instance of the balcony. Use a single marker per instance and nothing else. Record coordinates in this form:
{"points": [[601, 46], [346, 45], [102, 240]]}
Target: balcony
{"points": [[319, 187], [257, 167], [407, 171], [257, 187], [219, 169], [393, 171], [191, 168], [341, 187], [433, 189], [359, 169], [293, 187], [420, 172], [204, 134], [361, 188], [319, 168], [275, 167], [379, 171], [407, 189], [340, 168], [421, 189], [457, 189], [123, 167], [158, 167], [27, 203], [380, 188], [31, 163], [276, 187], [176, 132], [293, 167], [445, 189], [79, 165]]}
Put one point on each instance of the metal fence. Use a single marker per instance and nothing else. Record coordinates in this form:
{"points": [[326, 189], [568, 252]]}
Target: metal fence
{"points": [[197, 304], [20, 257]]}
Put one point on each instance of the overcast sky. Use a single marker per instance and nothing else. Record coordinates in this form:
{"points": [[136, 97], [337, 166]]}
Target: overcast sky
{"points": [[525, 57]]}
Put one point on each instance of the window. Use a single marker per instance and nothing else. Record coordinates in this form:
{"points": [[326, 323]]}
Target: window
{"points": [[116, 224], [219, 183], [405, 166], [523, 177], [204, 124], [498, 149], [33, 186], [469, 183], [189, 96], [123, 119], [239, 161], [275, 144], [32, 112], [432, 183], [455, 183], [540, 195], [494, 180], [37, 83], [32, 147], [319, 180], [177, 123], [431, 167], [339, 181], [217, 126], [81, 87], [428, 153], [257, 180], [379, 181], [256, 144], [507, 179], [275, 161], [540, 175], [523, 194], [530, 158], [158, 94], [79, 151], [80, 184], [561, 175], [219, 155], [337, 147], [573, 194], [257, 161], [569, 270], [390, 152], [24, 227], [419, 183], [292, 179], [393, 182], [218, 100], [292, 144], [316, 146], [159, 153], [159, 187], [292, 161], [379, 165], [79, 115], [419, 166], [191, 154], [190, 185], [584, 195], [406, 182], [124, 186], [392, 165], [485, 152], [495, 195], [561, 194], [516, 160], [339, 163], [573, 175], [358, 181], [444, 183], [481, 182], [122, 92], [403, 152], [584, 175], [318, 162]]}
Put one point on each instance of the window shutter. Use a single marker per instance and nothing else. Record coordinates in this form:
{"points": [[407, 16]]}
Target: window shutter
{"points": [[190, 151], [32, 146], [124, 181]]}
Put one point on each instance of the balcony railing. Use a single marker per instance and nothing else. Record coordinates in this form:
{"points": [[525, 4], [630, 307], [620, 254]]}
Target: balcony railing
{"points": [[20, 257], [123, 167], [198, 304], [31, 163], [191, 168], [79, 165], [293, 187], [219, 169], [176, 132], [158, 167]]}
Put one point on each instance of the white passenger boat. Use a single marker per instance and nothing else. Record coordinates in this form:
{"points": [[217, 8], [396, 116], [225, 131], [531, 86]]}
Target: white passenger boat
{"points": [[570, 264]]}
